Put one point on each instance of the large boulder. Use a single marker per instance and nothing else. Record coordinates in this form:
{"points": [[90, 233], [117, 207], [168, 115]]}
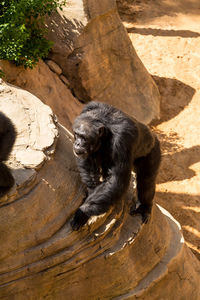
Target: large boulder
{"points": [[94, 51], [111, 257]]}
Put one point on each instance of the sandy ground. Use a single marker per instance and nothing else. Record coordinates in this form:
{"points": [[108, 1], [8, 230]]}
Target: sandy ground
{"points": [[166, 36]]}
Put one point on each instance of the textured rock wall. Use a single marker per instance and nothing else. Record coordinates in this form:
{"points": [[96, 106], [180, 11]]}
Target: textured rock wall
{"points": [[94, 51], [50, 87], [111, 257]]}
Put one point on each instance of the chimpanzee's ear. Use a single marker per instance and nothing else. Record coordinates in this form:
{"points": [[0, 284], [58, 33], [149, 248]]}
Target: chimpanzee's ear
{"points": [[101, 130]]}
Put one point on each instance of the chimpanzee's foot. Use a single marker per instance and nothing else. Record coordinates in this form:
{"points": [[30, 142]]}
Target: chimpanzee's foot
{"points": [[143, 211]]}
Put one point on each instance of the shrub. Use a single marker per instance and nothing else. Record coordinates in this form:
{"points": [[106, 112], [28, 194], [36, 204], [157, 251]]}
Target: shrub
{"points": [[22, 30]]}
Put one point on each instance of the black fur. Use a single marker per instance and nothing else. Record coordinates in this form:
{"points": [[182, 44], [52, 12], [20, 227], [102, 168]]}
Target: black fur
{"points": [[7, 139], [109, 144]]}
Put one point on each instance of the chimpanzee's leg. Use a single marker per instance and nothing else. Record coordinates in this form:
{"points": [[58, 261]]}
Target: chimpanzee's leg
{"points": [[146, 169]]}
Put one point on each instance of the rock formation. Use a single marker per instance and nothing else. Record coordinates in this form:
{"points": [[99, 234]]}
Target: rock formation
{"points": [[96, 59], [112, 257], [95, 53], [47, 86]]}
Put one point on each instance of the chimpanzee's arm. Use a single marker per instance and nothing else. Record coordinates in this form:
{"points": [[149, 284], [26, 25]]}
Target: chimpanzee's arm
{"points": [[104, 195], [109, 191], [89, 172]]}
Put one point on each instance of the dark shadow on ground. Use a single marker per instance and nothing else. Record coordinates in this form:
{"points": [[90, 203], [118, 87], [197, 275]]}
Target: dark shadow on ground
{"points": [[161, 32], [187, 215], [176, 161], [176, 166], [143, 11], [175, 96]]}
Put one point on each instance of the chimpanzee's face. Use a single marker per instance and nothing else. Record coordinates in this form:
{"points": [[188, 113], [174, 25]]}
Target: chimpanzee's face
{"points": [[87, 138]]}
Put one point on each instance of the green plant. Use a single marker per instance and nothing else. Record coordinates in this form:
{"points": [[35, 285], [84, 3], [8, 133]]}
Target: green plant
{"points": [[22, 30], [2, 74]]}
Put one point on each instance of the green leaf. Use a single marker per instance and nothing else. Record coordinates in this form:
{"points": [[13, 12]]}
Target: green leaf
{"points": [[22, 31]]}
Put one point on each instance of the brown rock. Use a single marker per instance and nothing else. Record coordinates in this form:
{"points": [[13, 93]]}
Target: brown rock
{"points": [[47, 86], [54, 67], [95, 53], [111, 257], [36, 135], [65, 80]]}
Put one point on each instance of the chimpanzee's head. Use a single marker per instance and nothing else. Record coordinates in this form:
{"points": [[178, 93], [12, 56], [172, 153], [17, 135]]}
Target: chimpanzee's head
{"points": [[87, 136]]}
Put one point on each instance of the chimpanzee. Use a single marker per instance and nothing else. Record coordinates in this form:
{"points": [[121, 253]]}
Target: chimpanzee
{"points": [[7, 139], [109, 144]]}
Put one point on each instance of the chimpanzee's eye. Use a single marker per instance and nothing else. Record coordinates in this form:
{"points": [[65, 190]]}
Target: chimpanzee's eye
{"points": [[83, 138]]}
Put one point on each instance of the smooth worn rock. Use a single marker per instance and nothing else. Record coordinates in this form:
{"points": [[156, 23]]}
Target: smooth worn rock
{"points": [[95, 53], [47, 86], [36, 134], [30, 158], [112, 257], [54, 67], [65, 80]]}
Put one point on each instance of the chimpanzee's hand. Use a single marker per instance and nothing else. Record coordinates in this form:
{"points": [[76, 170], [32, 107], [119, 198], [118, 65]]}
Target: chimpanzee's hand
{"points": [[79, 219]]}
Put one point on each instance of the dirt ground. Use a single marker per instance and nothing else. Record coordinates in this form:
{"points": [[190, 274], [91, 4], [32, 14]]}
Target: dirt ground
{"points": [[166, 36]]}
